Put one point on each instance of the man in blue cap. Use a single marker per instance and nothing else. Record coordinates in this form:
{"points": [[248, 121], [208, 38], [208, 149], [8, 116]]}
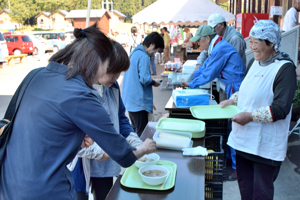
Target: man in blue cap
{"points": [[224, 63]]}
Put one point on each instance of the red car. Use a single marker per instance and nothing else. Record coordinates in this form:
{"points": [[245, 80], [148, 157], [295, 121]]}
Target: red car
{"points": [[19, 44]]}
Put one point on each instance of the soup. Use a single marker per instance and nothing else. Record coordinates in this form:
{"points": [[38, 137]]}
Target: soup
{"points": [[154, 173], [145, 159]]}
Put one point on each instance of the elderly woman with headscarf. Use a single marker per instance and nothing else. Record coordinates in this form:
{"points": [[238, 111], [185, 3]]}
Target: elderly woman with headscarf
{"points": [[260, 132]]}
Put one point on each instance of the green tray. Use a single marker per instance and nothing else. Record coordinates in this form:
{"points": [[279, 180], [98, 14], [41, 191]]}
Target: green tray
{"points": [[214, 112], [196, 127], [132, 179]]}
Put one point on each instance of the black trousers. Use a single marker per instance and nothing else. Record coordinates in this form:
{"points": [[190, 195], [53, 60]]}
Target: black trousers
{"points": [[139, 121], [255, 179], [101, 187], [82, 196]]}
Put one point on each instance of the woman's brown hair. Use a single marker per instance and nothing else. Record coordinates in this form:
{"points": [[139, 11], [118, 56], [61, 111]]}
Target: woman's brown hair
{"points": [[84, 55], [120, 61]]}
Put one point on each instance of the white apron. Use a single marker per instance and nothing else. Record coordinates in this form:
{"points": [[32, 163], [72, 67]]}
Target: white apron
{"points": [[267, 140]]}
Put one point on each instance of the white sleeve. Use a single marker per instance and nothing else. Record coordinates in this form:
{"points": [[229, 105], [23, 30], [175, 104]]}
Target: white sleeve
{"points": [[92, 152], [294, 19], [134, 140]]}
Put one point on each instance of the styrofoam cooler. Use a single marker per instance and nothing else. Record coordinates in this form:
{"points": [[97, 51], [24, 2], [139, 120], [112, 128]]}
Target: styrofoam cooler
{"points": [[190, 63], [191, 97]]}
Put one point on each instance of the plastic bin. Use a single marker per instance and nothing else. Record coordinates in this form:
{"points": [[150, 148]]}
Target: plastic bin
{"points": [[216, 127], [191, 97], [175, 143], [215, 163], [213, 192], [196, 127]]}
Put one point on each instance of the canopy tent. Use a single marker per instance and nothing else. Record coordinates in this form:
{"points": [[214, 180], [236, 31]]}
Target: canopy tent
{"points": [[180, 12]]}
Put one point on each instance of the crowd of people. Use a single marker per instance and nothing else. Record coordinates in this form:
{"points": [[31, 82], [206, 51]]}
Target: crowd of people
{"points": [[73, 113]]}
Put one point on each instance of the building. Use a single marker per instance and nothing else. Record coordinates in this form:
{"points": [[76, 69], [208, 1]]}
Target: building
{"points": [[6, 22], [258, 6], [117, 17], [56, 20], [101, 16]]}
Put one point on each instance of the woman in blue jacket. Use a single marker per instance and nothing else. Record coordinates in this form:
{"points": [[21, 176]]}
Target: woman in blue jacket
{"points": [[89, 169], [57, 110]]}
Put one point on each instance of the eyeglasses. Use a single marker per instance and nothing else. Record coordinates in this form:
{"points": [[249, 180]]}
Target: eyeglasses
{"points": [[217, 25]]}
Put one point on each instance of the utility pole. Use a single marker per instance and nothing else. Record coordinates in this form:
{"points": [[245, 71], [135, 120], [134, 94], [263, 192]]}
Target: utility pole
{"points": [[87, 21]]}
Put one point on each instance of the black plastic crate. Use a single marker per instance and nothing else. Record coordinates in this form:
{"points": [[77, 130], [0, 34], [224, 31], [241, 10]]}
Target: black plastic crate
{"points": [[215, 163], [213, 191], [214, 123], [216, 131], [224, 140]]}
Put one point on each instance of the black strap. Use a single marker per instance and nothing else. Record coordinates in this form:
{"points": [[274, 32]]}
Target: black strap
{"points": [[16, 99], [134, 38]]}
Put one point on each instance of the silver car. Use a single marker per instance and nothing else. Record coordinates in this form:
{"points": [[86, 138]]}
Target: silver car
{"points": [[41, 44], [3, 49]]}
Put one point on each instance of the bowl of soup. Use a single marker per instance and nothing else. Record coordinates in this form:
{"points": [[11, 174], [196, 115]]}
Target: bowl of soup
{"points": [[153, 174], [148, 159]]}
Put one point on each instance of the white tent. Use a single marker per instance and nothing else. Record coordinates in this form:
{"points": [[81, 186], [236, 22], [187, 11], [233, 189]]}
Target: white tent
{"points": [[179, 12]]}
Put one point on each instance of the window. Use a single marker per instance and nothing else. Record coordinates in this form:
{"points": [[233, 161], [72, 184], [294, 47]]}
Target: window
{"points": [[42, 20], [26, 39]]}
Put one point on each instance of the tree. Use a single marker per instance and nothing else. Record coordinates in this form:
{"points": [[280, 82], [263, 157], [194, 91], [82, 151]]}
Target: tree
{"points": [[52, 6], [3, 4], [21, 10]]}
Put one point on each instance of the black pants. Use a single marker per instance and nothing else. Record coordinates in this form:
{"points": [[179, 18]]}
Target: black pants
{"points": [[101, 187], [82, 196], [255, 179], [139, 121]]}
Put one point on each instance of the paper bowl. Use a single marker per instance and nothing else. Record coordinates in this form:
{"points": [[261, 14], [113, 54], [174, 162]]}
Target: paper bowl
{"points": [[153, 156], [153, 180]]}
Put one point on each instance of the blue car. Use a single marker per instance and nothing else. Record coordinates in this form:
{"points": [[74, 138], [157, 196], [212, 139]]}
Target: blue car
{"points": [[57, 38]]}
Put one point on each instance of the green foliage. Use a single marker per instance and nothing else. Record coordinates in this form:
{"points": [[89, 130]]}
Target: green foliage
{"points": [[51, 5], [23, 11], [296, 101], [40, 29], [3, 4]]}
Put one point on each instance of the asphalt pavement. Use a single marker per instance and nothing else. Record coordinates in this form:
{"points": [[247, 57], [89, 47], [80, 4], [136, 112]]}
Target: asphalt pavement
{"points": [[287, 185]]}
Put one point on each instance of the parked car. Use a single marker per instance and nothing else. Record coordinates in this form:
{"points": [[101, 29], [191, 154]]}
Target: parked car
{"points": [[3, 45], [57, 38], [69, 38], [19, 44], [40, 43], [3, 50]]}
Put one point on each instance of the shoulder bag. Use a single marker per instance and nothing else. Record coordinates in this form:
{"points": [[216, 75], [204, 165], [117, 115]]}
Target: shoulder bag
{"points": [[7, 122]]}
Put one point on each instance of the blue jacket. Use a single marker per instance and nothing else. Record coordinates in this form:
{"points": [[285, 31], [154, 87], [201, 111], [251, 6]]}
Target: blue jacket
{"points": [[224, 63], [51, 123], [137, 83]]}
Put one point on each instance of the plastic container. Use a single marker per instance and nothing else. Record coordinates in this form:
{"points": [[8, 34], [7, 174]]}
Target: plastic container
{"points": [[214, 112], [132, 179], [195, 127], [138, 163], [153, 180], [174, 140], [175, 78], [191, 97]]}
